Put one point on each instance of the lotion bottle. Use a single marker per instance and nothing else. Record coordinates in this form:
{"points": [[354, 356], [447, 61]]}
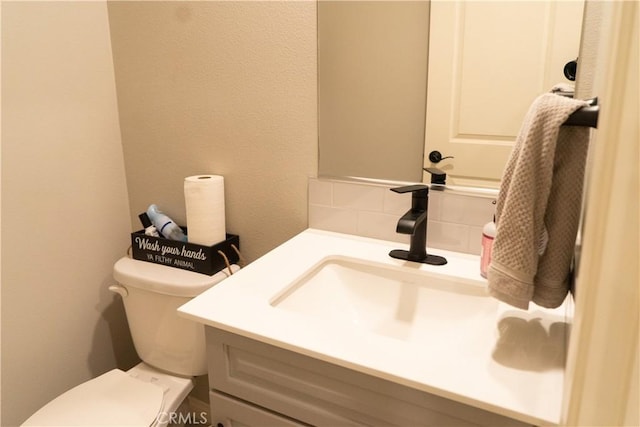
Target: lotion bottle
{"points": [[488, 234], [165, 225]]}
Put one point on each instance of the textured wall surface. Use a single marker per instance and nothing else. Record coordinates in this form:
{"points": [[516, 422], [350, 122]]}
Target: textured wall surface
{"points": [[225, 88], [64, 203]]}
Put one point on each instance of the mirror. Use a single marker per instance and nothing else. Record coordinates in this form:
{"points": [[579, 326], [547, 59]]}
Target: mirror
{"points": [[471, 68], [372, 68]]}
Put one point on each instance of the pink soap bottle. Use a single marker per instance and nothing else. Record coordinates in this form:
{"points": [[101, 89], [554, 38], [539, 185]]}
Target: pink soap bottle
{"points": [[488, 234]]}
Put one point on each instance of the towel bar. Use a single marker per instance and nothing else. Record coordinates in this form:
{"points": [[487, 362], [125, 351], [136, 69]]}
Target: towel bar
{"points": [[586, 116]]}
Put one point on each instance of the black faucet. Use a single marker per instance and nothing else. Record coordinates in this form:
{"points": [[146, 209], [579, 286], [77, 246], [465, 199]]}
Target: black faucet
{"points": [[437, 177], [414, 223]]}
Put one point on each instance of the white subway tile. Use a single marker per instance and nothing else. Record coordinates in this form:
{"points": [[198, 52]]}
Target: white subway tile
{"points": [[475, 239], [444, 235], [333, 219], [358, 196], [395, 203], [380, 226], [320, 192], [371, 210], [470, 210], [435, 205]]}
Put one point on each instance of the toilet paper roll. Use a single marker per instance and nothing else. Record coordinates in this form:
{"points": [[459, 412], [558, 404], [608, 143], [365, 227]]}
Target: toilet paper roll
{"points": [[204, 201]]}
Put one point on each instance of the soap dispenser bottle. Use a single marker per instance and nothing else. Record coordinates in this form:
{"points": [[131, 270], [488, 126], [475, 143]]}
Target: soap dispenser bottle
{"points": [[488, 234]]}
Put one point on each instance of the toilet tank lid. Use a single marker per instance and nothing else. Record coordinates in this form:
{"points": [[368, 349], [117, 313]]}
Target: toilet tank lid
{"points": [[114, 398], [164, 279]]}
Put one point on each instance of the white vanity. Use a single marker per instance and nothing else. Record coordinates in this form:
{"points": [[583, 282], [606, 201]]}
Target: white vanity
{"points": [[327, 329]]}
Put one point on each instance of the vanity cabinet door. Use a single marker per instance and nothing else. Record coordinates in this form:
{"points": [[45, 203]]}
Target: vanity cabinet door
{"points": [[229, 412], [318, 393]]}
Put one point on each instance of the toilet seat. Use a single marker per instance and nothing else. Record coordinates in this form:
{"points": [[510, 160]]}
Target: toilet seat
{"points": [[114, 398]]}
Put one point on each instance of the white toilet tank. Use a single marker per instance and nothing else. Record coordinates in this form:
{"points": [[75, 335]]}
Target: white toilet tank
{"points": [[151, 295]]}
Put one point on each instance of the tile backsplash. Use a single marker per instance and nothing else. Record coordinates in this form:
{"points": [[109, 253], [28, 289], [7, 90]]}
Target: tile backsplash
{"points": [[366, 209]]}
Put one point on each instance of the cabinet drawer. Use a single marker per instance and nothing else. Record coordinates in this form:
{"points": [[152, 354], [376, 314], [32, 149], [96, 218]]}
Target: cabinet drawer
{"points": [[323, 394], [230, 412]]}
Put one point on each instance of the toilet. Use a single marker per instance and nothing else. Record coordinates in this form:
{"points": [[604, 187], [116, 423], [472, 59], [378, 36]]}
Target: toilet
{"points": [[172, 350]]}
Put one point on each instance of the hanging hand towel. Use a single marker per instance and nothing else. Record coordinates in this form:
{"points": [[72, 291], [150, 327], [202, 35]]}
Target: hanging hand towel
{"points": [[538, 207]]}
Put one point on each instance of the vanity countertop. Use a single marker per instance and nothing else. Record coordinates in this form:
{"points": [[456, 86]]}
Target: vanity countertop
{"points": [[509, 362]]}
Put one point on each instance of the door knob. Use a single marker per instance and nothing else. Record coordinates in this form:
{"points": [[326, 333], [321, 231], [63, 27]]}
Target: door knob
{"points": [[436, 156]]}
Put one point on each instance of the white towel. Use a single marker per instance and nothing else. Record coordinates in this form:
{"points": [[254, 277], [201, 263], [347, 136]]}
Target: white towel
{"points": [[538, 207]]}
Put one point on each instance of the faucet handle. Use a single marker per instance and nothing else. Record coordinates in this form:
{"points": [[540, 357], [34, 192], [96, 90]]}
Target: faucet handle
{"points": [[437, 176], [419, 196], [411, 189]]}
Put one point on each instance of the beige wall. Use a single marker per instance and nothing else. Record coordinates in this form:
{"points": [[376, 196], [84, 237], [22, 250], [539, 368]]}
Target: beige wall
{"points": [[226, 88], [64, 203], [204, 87], [602, 382]]}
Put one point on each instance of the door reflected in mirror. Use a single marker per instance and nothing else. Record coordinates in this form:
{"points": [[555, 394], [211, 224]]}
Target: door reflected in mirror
{"points": [[399, 79]]}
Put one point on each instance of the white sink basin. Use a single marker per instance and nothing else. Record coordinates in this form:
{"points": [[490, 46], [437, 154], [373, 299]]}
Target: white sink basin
{"points": [[343, 300], [398, 302]]}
